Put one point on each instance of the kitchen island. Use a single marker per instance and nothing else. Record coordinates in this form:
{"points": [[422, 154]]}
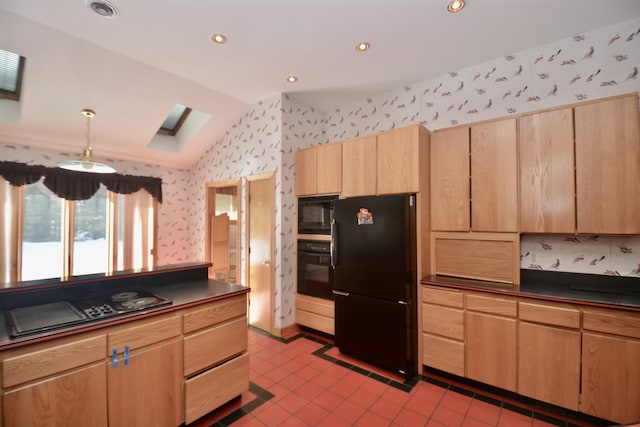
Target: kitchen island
{"points": [[569, 340], [164, 365]]}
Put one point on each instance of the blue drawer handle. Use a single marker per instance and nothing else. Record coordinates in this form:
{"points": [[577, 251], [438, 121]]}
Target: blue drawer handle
{"points": [[126, 355], [114, 358]]}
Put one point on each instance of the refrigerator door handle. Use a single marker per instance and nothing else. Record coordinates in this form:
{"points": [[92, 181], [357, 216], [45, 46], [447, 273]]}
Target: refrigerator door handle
{"points": [[341, 293], [333, 246]]}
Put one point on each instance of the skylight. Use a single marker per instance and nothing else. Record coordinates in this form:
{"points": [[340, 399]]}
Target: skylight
{"points": [[176, 118], [11, 68]]}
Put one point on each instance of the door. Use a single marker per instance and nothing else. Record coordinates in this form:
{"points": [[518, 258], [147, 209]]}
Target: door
{"points": [[260, 237]]}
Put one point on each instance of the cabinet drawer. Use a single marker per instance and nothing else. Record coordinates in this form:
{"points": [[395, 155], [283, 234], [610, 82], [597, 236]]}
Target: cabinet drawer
{"points": [[149, 332], [214, 387], [451, 298], [445, 321], [316, 321], [549, 314], [215, 313], [613, 322], [493, 305], [319, 306], [213, 345], [30, 366], [443, 353]]}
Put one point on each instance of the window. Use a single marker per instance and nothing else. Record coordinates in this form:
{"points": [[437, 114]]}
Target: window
{"points": [[176, 118], [11, 70], [62, 238]]}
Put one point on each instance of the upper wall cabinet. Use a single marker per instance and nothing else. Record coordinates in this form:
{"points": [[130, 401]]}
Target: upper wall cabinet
{"points": [[359, 166], [481, 162], [547, 184], [494, 176], [450, 189], [387, 163], [319, 170], [608, 166]]}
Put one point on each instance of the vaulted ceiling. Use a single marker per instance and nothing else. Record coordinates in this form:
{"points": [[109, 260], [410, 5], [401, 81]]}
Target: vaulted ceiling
{"points": [[132, 68]]}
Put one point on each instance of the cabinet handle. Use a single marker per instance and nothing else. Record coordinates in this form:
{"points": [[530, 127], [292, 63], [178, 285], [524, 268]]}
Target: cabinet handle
{"points": [[126, 355], [114, 358]]}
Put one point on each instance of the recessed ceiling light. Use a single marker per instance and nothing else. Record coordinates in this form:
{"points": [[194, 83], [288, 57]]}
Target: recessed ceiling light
{"points": [[219, 38], [362, 46], [292, 79], [102, 8], [455, 6]]}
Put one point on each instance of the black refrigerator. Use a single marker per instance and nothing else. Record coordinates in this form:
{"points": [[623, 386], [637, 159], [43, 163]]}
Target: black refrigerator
{"points": [[374, 257]]}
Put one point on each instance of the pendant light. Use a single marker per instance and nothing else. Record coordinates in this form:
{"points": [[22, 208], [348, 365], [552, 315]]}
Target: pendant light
{"points": [[86, 163]]}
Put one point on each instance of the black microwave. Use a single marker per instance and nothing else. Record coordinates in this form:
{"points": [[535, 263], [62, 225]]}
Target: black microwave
{"points": [[315, 214]]}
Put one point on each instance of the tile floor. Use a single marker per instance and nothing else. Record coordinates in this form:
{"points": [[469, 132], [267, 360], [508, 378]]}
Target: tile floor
{"points": [[305, 381]]}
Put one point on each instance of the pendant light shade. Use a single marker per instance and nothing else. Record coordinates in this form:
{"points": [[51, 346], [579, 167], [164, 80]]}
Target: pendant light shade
{"points": [[86, 163]]}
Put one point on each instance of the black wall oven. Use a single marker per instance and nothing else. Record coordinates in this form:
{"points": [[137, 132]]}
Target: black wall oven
{"points": [[315, 275], [315, 214]]}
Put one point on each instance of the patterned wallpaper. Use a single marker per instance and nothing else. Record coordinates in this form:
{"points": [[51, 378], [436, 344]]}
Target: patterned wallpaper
{"points": [[172, 212], [587, 66]]}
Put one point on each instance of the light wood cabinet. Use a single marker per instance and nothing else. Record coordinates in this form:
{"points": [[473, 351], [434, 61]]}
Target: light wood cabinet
{"points": [[494, 176], [547, 181], [611, 365], [58, 383], [392, 162], [359, 156], [216, 364], [450, 185], [608, 166], [319, 170], [315, 313], [549, 353], [491, 330], [144, 377], [443, 329]]}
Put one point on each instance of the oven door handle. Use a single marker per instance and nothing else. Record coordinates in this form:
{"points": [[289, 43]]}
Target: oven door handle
{"points": [[333, 246]]}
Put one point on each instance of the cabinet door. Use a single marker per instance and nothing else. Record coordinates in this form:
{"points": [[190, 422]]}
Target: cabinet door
{"points": [[359, 167], [398, 161], [608, 166], [491, 350], [549, 364], [450, 208], [306, 172], [494, 176], [547, 183], [76, 398], [148, 391], [611, 377], [329, 165]]}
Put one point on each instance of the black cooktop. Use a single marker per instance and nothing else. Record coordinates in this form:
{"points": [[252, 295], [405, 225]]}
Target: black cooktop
{"points": [[45, 317]]}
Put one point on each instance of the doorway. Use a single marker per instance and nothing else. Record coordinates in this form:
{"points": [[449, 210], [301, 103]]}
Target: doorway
{"points": [[260, 244], [222, 230]]}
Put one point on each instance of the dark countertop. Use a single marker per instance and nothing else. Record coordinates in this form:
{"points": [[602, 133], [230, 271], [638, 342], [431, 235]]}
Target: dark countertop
{"points": [[589, 289], [192, 290]]}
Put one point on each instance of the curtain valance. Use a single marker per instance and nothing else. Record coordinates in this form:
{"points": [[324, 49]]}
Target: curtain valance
{"points": [[72, 185]]}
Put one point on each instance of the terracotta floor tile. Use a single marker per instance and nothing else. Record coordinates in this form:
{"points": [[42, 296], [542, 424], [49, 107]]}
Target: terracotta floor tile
{"points": [[309, 391], [513, 419], [386, 409], [471, 422], [292, 382], [363, 398], [312, 414], [456, 401], [248, 421], [292, 402], [274, 416], [324, 381], [369, 419], [410, 418], [333, 421], [428, 391], [420, 406], [349, 411], [344, 389], [396, 396], [328, 400], [484, 412], [447, 417]]}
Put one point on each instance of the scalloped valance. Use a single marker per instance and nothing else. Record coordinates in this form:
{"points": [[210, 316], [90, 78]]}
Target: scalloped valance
{"points": [[71, 185]]}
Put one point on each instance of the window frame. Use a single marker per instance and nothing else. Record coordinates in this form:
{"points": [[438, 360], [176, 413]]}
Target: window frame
{"points": [[15, 95]]}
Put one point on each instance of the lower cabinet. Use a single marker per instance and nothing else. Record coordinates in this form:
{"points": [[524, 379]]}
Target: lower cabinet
{"points": [[164, 370], [315, 313], [611, 365], [75, 398], [574, 356]]}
